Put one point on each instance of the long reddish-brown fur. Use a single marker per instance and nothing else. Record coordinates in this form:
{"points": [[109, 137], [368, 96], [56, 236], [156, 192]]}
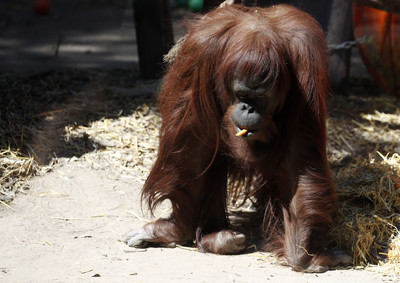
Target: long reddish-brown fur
{"points": [[198, 149]]}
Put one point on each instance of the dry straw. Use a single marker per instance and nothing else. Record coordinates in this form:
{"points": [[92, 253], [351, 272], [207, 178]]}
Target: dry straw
{"points": [[369, 212], [14, 171]]}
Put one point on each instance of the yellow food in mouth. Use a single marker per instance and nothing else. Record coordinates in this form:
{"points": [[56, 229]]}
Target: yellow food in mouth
{"points": [[241, 133]]}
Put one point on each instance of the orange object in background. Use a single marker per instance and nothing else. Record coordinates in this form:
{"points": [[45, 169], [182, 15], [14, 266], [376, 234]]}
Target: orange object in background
{"points": [[381, 50], [41, 7]]}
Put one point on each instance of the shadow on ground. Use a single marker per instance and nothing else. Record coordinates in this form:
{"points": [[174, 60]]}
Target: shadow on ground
{"points": [[36, 108]]}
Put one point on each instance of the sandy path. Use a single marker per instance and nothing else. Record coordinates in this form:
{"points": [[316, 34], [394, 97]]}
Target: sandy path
{"points": [[67, 229]]}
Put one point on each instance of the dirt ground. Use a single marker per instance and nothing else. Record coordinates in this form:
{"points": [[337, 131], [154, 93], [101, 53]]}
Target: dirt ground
{"points": [[68, 229]]}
